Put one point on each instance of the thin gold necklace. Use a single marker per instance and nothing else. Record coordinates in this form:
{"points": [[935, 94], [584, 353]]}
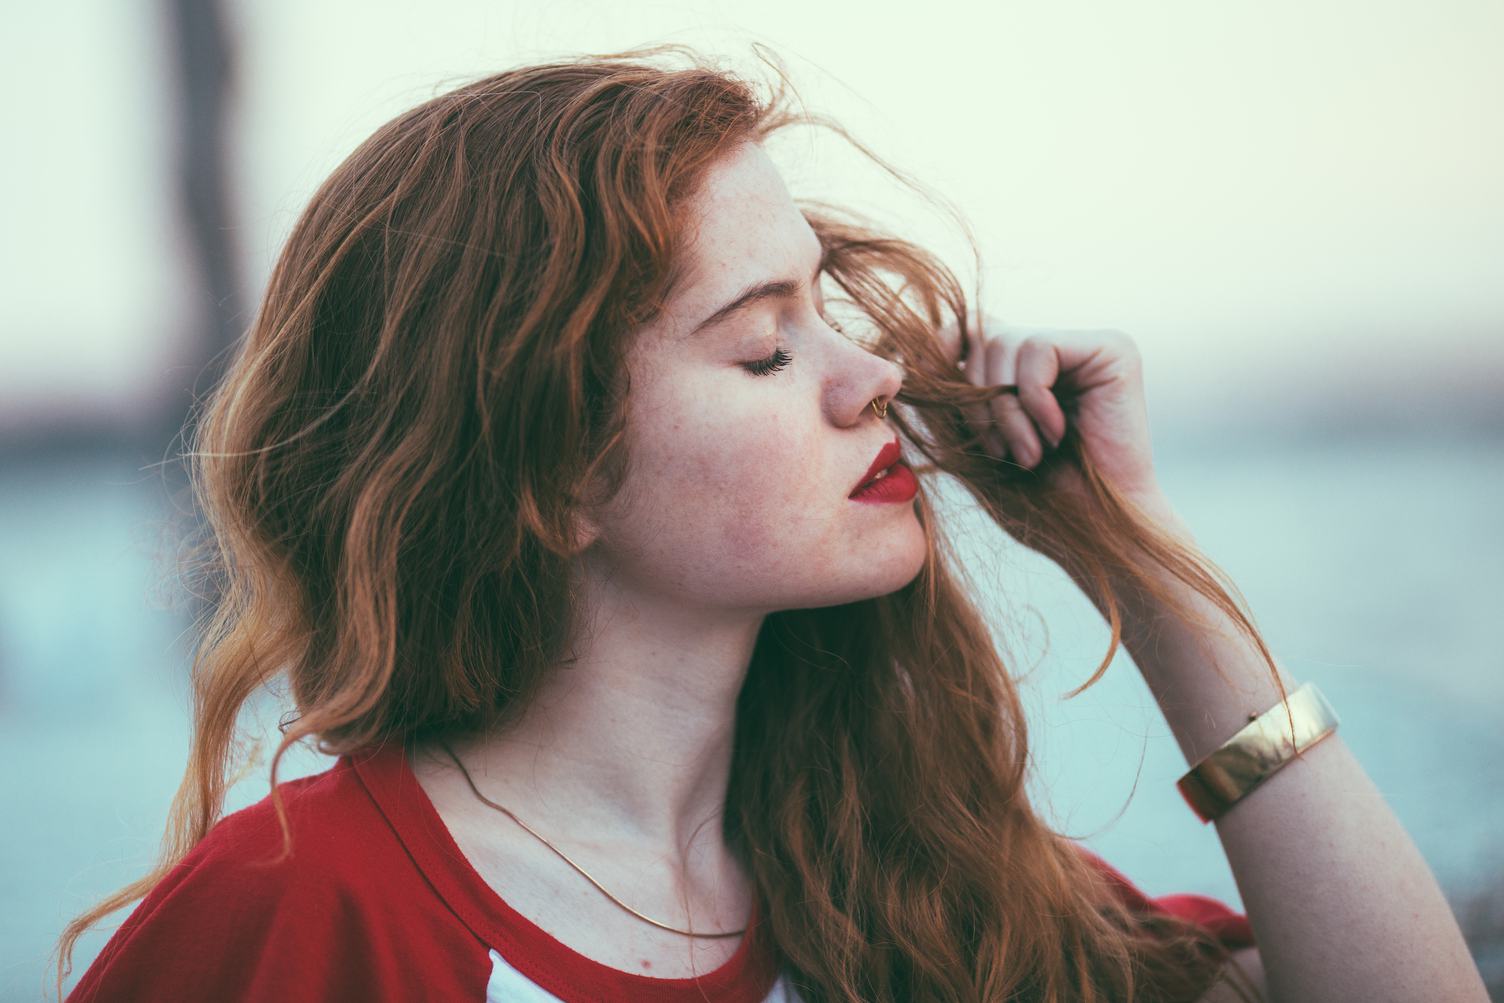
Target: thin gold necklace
{"points": [[571, 863]]}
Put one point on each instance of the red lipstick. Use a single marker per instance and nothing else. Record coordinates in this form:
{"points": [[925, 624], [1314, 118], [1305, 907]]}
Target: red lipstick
{"points": [[888, 479]]}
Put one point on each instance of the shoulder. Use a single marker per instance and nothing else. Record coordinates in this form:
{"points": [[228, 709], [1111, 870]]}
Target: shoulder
{"points": [[328, 816], [231, 918], [328, 820]]}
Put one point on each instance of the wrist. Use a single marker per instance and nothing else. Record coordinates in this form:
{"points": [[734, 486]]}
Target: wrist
{"points": [[1156, 507], [1156, 510], [1154, 604]]}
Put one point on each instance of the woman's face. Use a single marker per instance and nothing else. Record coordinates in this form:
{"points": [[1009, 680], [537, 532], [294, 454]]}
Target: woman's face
{"points": [[737, 497]]}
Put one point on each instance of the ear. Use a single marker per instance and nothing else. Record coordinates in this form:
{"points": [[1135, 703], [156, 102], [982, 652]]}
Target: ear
{"points": [[584, 521], [586, 509], [584, 532]]}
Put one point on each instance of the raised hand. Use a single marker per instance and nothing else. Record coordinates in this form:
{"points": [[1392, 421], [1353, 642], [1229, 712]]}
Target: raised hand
{"points": [[1084, 383]]}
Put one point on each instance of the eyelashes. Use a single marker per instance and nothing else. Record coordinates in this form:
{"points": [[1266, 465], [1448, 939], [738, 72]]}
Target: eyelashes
{"points": [[779, 358], [771, 364]]}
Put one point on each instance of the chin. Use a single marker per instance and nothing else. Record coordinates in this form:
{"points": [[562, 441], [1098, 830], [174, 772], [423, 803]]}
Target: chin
{"points": [[894, 561]]}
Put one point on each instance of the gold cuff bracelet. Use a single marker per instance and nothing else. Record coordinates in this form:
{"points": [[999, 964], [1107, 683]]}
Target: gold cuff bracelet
{"points": [[1257, 752]]}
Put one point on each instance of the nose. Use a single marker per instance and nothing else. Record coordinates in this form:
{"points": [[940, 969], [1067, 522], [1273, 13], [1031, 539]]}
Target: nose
{"points": [[857, 377], [886, 387]]}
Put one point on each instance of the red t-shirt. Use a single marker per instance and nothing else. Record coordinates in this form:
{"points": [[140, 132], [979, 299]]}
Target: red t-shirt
{"points": [[378, 903]]}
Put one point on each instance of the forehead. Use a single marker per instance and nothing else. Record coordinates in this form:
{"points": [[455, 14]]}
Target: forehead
{"points": [[744, 228]]}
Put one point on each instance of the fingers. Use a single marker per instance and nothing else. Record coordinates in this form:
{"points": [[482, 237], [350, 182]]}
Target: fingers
{"points": [[1038, 368], [978, 373], [1018, 425], [1014, 425]]}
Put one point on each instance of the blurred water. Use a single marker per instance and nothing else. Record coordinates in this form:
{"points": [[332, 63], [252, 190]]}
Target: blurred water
{"points": [[1373, 568]]}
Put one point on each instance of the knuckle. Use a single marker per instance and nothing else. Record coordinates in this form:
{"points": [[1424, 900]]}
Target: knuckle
{"points": [[1032, 344], [1035, 393]]}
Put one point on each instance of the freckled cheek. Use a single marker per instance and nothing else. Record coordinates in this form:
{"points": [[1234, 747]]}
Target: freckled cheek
{"points": [[742, 496], [747, 539], [695, 493], [767, 505]]}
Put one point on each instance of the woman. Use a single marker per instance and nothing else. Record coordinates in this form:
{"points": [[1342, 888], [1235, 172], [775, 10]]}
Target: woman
{"points": [[549, 479]]}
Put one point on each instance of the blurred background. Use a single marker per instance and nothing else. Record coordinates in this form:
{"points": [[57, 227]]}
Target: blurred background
{"points": [[1296, 209]]}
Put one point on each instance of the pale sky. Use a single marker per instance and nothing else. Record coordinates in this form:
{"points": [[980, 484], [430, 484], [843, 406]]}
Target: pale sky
{"points": [[1283, 201]]}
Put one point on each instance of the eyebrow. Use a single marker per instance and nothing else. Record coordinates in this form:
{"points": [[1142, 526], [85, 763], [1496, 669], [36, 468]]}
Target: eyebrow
{"points": [[756, 293]]}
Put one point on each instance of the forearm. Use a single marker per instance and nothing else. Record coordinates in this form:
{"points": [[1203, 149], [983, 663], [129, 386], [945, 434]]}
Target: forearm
{"points": [[1341, 902]]}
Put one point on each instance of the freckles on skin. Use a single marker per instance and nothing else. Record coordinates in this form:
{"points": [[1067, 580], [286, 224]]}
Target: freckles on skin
{"points": [[794, 534], [746, 540], [746, 491], [764, 498], [708, 502]]}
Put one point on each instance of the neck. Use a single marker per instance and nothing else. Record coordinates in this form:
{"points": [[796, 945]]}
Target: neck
{"points": [[625, 754]]}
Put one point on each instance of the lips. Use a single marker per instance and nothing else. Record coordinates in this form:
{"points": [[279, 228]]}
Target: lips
{"points": [[888, 456]]}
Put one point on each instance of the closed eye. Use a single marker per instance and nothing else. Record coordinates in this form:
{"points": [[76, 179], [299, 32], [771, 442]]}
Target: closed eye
{"points": [[771, 364], [781, 356]]}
